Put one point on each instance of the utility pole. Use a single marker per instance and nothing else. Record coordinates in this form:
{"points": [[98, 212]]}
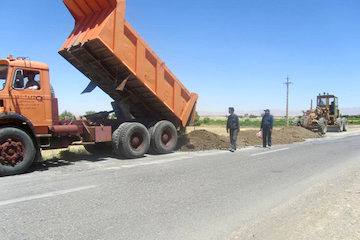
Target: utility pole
{"points": [[287, 83]]}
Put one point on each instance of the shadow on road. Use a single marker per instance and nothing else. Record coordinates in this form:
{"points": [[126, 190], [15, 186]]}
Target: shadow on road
{"points": [[67, 158]]}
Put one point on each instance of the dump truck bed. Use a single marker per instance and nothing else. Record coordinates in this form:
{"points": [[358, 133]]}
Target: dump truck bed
{"points": [[105, 48]]}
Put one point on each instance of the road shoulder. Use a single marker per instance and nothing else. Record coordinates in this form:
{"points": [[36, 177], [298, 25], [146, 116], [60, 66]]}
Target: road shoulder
{"points": [[329, 210]]}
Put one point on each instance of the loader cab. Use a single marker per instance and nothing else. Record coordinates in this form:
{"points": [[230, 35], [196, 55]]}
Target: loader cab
{"points": [[330, 106], [25, 90]]}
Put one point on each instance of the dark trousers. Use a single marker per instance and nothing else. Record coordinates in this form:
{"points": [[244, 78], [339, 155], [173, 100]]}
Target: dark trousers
{"points": [[267, 136], [233, 138]]}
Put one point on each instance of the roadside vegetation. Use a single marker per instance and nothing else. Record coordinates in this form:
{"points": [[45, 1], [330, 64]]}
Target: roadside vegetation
{"points": [[255, 121], [251, 121], [69, 116], [66, 116], [354, 120]]}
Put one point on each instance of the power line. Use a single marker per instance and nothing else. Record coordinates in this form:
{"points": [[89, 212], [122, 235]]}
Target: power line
{"points": [[287, 83]]}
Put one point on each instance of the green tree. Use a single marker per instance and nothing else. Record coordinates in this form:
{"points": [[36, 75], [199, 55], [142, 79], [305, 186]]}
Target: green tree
{"points": [[66, 115], [89, 113], [197, 121], [206, 121]]}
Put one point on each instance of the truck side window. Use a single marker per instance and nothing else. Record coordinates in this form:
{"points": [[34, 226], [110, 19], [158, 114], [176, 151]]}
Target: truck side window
{"points": [[3, 76], [27, 80]]}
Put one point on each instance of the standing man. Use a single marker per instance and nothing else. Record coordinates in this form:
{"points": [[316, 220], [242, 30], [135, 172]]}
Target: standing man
{"points": [[267, 125], [234, 127]]}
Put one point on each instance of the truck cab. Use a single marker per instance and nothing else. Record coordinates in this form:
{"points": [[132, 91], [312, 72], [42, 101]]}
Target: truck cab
{"points": [[25, 91], [27, 111], [151, 105]]}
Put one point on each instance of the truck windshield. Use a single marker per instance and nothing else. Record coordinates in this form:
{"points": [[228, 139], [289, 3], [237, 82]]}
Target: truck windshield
{"points": [[3, 76]]}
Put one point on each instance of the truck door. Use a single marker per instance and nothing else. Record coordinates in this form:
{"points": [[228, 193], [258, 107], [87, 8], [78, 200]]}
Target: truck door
{"points": [[27, 96]]}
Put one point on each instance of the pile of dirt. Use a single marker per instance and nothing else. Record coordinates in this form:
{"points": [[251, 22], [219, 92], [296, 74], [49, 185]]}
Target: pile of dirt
{"points": [[248, 138], [201, 140], [293, 134]]}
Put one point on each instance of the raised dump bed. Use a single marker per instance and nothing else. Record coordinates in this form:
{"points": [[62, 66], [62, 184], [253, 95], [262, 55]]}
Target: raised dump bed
{"points": [[105, 48]]}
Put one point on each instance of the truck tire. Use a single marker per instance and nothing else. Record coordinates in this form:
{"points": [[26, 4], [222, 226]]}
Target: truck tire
{"points": [[131, 140], [99, 148], [164, 137], [116, 138], [17, 151]]}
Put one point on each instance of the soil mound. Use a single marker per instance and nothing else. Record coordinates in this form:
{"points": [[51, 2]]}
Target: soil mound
{"points": [[201, 140], [293, 134]]}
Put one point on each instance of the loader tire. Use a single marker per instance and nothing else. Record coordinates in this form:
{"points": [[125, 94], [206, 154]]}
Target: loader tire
{"points": [[17, 151], [164, 137], [344, 124], [323, 126], [99, 148], [131, 140], [340, 125]]}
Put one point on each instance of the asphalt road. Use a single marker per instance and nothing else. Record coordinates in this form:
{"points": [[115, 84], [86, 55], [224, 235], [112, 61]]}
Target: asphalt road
{"points": [[208, 195]]}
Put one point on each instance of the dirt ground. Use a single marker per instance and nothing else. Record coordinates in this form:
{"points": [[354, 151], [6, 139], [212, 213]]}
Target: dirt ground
{"points": [[220, 130], [200, 140], [212, 137]]}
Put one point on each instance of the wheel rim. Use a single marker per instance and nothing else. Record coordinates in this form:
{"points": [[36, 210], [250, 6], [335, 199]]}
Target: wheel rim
{"points": [[12, 152], [166, 136], [136, 140]]}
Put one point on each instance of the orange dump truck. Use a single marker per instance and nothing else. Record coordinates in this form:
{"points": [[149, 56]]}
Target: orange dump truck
{"points": [[150, 104]]}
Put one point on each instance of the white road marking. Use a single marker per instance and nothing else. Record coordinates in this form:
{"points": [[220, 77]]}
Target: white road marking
{"points": [[213, 153], [173, 159], [274, 151], [193, 155], [148, 163], [44, 195]]}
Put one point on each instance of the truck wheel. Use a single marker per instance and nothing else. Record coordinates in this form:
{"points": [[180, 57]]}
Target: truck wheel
{"points": [[116, 137], [164, 137], [17, 151], [131, 140], [98, 148]]}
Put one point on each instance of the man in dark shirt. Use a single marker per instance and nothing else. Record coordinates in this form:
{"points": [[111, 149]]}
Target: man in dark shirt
{"points": [[233, 127], [32, 84], [267, 125], [332, 107]]}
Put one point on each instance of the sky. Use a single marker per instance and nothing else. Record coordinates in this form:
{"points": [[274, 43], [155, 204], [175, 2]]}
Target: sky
{"points": [[232, 53]]}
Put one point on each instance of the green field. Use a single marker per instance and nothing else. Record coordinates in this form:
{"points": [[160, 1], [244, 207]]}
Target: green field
{"points": [[244, 122], [354, 120], [256, 122]]}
